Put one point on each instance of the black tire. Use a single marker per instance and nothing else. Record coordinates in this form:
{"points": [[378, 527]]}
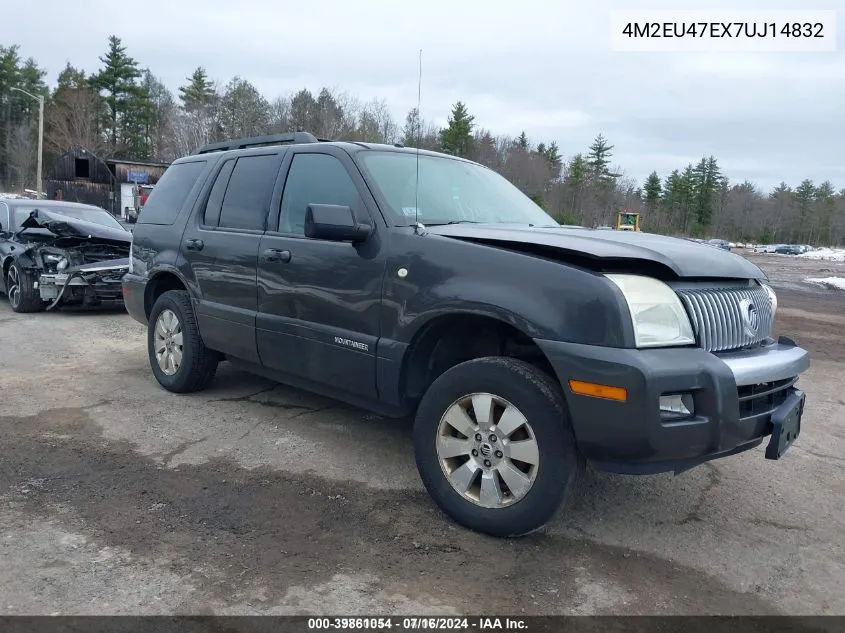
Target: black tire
{"points": [[21, 291], [198, 364], [540, 399]]}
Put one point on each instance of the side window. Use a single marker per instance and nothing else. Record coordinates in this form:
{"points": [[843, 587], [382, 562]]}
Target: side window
{"points": [[170, 193], [247, 198], [314, 179], [215, 197], [5, 224]]}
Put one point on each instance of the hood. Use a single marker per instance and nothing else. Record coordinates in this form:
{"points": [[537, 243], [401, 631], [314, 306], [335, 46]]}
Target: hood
{"points": [[686, 259], [67, 226]]}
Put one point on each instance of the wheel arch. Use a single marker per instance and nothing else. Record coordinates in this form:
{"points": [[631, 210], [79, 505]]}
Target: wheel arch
{"points": [[448, 339], [160, 282]]}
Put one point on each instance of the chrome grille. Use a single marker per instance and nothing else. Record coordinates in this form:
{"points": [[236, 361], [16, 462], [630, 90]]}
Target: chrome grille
{"points": [[717, 314]]}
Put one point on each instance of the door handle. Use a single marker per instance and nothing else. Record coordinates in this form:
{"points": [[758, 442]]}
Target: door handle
{"points": [[275, 255], [194, 244]]}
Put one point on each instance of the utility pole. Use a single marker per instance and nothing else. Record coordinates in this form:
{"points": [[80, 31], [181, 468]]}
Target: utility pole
{"points": [[38, 176]]}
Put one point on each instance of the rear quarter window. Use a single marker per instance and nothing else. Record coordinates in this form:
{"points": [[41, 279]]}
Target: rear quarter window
{"points": [[171, 192]]}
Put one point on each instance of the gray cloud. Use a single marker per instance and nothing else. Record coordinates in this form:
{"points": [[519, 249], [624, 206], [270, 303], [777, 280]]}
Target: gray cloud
{"points": [[527, 66]]}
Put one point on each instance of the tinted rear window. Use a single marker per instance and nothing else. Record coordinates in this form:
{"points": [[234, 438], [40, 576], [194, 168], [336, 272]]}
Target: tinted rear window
{"points": [[170, 193]]}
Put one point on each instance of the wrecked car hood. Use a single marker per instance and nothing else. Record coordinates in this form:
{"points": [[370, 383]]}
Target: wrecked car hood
{"points": [[686, 259], [66, 226]]}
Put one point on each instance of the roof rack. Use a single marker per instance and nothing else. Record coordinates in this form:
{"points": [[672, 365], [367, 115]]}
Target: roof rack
{"points": [[259, 141]]}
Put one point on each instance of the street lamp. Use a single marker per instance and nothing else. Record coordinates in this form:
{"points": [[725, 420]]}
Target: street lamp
{"points": [[40, 99]]}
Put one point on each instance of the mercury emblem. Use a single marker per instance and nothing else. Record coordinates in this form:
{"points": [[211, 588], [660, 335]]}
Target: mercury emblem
{"points": [[750, 317]]}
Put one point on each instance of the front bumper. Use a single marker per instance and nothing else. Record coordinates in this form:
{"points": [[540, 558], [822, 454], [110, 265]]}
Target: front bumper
{"points": [[739, 399], [91, 284]]}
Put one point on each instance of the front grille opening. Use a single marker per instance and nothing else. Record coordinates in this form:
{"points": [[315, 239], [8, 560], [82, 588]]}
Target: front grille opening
{"points": [[760, 400]]}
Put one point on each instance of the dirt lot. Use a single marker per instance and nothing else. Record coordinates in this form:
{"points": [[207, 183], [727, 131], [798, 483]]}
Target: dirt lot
{"points": [[117, 497]]}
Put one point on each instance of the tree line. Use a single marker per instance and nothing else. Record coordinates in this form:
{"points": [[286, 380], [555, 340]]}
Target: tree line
{"points": [[123, 110]]}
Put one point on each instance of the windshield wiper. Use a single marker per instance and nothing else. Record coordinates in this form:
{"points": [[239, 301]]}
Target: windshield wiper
{"points": [[454, 222]]}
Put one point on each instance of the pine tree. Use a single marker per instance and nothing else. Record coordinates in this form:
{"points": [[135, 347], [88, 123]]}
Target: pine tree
{"points": [[18, 114], [652, 191], [575, 181], [705, 185], [123, 97], [598, 161], [552, 155], [198, 94], [457, 137], [411, 132], [71, 77]]}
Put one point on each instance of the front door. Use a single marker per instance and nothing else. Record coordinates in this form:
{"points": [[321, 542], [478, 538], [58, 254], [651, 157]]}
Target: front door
{"points": [[319, 301], [221, 246]]}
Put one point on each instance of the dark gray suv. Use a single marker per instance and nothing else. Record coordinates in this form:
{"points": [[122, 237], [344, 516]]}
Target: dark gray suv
{"points": [[412, 282]]}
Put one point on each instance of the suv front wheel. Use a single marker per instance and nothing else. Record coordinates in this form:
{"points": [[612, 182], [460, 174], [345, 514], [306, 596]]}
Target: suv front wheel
{"points": [[494, 446], [179, 359]]}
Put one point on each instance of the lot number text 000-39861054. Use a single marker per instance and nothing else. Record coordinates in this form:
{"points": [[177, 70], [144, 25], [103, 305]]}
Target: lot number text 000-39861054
{"points": [[723, 31]]}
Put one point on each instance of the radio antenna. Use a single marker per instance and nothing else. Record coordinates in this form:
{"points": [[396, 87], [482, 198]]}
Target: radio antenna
{"points": [[419, 140]]}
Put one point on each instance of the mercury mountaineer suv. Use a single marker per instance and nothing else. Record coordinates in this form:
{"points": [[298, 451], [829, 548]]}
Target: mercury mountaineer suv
{"points": [[412, 282]]}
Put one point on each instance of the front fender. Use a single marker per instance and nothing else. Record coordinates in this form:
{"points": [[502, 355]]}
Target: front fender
{"points": [[488, 300], [541, 297]]}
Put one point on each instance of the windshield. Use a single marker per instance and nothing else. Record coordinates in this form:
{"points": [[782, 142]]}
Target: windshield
{"points": [[449, 191], [94, 215]]}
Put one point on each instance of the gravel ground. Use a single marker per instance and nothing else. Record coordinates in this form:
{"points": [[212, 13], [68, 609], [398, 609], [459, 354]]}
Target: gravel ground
{"points": [[117, 497]]}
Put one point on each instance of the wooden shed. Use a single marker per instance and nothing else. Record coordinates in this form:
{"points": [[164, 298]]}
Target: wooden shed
{"points": [[79, 175]]}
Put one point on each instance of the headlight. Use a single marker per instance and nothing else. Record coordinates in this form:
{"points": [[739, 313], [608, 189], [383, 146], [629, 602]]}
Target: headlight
{"points": [[772, 297], [658, 316], [59, 261]]}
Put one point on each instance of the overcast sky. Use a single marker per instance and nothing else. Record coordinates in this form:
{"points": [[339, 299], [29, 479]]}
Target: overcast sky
{"points": [[528, 65]]}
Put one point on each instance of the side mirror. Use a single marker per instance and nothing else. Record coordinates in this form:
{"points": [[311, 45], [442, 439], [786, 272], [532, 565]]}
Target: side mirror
{"points": [[336, 223]]}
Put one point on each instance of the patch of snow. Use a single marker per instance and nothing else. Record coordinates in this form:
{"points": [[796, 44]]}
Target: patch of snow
{"points": [[834, 283], [825, 254]]}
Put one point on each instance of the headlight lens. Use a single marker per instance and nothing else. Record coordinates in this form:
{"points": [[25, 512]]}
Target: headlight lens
{"points": [[658, 316], [59, 261], [772, 296]]}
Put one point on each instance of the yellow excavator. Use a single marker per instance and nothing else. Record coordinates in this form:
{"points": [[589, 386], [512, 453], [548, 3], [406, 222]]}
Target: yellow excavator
{"points": [[627, 221]]}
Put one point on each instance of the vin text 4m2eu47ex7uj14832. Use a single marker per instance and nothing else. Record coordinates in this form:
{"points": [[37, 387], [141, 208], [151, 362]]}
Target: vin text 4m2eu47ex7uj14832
{"points": [[411, 282]]}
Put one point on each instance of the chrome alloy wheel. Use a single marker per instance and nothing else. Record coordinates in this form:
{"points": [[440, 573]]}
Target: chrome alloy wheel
{"points": [[13, 286], [487, 450], [168, 342]]}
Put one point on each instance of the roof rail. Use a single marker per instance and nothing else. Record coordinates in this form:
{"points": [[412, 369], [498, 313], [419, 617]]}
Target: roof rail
{"points": [[258, 141]]}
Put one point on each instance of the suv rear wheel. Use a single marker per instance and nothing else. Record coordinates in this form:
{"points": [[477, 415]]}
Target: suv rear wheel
{"points": [[179, 359], [494, 447]]}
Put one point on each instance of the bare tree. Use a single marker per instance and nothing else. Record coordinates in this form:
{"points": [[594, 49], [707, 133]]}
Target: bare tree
{"points": [[71, 121], [22, 153], [280, 115]]}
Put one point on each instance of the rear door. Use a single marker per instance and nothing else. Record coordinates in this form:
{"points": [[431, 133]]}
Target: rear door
{"points": [[318, 312], [221, 246]]}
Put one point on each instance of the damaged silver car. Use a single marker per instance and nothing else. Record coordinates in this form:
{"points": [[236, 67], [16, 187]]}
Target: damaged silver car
{"points": [[55, 253]]}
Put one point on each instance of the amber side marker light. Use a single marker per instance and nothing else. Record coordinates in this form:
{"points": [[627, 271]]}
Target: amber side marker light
{"points": [[620, 394]]}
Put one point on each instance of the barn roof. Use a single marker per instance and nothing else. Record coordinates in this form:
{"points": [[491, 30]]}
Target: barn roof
{"points": [[142, 163]]}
